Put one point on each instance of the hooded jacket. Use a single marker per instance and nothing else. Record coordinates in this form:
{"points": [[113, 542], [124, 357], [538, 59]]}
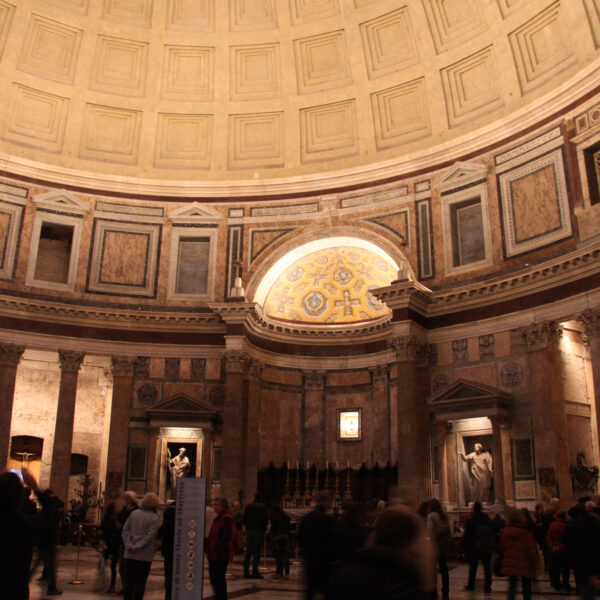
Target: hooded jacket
{"points": [[519, 552]]}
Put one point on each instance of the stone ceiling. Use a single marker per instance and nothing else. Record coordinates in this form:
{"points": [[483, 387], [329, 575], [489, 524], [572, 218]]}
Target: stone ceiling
{"points": [[331, 286], [223, 93]]}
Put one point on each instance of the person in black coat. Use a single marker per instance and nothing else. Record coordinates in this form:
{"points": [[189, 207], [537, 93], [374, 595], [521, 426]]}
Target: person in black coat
{"points": [[386, 568], [280, 539], [256, 519], [478, 545], [111, 532], [315, 536], [19, 533]]}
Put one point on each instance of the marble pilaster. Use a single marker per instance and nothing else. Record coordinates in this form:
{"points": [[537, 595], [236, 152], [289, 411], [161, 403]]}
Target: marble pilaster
{"points": [[414, 476], [591, 322], [232, 482], [314, 417], [548, 407], [441, 437], [116, 460], [498, 454], [253, 371], [10, 355], [381, 416], [60, 469]]}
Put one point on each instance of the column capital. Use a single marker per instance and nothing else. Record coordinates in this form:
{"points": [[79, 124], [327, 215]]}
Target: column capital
{"points": [[590, 319], [235, 361], [10, 355], [254, 368], [408, 348], [70, 361], [379, 374], [314, 380], [542, 335], [122, 366]]}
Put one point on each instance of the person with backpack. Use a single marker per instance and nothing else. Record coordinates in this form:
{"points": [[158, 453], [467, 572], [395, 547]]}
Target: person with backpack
{"points": [[438, 530], [478, 545]]}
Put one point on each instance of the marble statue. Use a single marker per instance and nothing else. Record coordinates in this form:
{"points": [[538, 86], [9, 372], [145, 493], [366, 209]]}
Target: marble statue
{"points": [[178, 467], [481, 466]]}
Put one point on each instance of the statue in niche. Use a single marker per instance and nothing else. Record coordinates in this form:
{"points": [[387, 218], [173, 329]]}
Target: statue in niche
{"points": [[179, 467], [481, 467]]}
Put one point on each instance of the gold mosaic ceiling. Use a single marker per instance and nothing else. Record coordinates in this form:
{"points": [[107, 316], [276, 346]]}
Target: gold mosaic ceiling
{"points": [[258, 91], [331, 286]]}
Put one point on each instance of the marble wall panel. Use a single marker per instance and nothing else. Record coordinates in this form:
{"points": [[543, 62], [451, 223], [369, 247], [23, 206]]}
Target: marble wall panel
{"points": [[348, 378], [574, 378], [213, 368], [11, 218], [535, 206], [192, 390], [284, 376], [579, 438], [280, 427], [261, 239], [485, 374]]}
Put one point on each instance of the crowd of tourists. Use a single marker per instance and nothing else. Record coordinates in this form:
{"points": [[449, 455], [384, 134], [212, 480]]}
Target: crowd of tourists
{"points": [[389, 553]]}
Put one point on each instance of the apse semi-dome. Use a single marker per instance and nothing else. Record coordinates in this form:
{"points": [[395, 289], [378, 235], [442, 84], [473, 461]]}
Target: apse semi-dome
{"points": [[331, 286], [216, 98]]}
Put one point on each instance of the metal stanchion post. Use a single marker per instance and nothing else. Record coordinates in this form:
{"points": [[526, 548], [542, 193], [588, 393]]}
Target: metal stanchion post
{"points": [[75, 580], [264, 567]]}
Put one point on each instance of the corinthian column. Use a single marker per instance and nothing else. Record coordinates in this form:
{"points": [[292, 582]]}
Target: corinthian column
{"points": [[314, 419], [254, 369], [10, 355], [60, 469], [232, 482], [548, 407], [116, 459], [414, 471], [591, 323]]}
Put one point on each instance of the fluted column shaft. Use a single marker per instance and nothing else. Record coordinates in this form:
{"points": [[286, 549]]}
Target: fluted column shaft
{"points": [[548, 408], [498, 455], [116, 459], [441, 434], [254, 369], [381, 416], [232, 482], [10, 355], [60, 468]]}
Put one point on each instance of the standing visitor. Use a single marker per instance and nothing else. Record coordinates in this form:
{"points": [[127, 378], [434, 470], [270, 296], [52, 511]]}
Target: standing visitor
{"points": [[558, 564], [166, 533], [519, 554], [129, 505], [111, 532], [280, 538], [256, 520], [316, 541], [478, 543], [139, 535], [438, 531], [219, 547]]}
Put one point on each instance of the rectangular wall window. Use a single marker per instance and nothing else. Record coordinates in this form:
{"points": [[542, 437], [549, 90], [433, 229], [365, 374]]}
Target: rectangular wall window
{"points": [[468, 244], [592, 167], [54, 253], [192, 266]]}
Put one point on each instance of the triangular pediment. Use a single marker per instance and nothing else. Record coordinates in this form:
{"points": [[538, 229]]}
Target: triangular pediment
{"points": [[181, 405], [61, 201], [470, 396], [459, 174], [195, 213]]}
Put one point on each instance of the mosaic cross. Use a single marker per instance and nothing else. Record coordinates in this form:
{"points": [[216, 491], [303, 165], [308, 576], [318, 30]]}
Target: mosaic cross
{"points": [[347, 303], [317, 277], [283, 299]]}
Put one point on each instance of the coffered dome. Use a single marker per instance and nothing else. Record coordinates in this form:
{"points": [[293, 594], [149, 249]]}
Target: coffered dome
{"points": [[208, 98]]}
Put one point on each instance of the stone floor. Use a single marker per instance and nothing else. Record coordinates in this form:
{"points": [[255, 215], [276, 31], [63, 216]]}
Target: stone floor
{"points": [[93, 587]]}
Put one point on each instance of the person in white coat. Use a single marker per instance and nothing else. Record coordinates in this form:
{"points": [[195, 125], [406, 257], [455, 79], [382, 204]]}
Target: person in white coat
{"points": [[139, 535]]}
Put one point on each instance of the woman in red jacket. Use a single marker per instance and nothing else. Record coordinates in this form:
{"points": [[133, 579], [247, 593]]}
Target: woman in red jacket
{"points": [[220, 547], [558, 564], [519, 555]]}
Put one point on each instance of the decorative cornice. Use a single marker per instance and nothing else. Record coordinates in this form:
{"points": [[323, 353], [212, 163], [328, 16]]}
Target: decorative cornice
{"points": [[233, 312], [10, 355], [542, 335], [70, 362]]}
